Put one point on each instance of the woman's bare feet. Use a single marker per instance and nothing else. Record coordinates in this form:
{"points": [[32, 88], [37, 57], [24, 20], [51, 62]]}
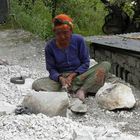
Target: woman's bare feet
{"points": [[81, 94]]}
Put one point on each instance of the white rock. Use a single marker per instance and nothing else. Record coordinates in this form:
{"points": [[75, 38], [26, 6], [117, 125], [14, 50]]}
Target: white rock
{"points": [[6, 108], [49, 103], [115, 96], [93, 62]]}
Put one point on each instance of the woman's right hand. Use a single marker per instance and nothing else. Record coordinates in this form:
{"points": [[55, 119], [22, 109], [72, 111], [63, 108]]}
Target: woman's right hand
{"points": [[63, 81]]}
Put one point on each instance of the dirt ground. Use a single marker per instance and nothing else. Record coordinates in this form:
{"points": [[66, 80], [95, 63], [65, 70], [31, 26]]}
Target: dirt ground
{"points": [[21, 48]]}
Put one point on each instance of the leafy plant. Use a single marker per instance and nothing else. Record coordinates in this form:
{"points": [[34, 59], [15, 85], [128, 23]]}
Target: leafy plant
{"points": [[36, 15]]}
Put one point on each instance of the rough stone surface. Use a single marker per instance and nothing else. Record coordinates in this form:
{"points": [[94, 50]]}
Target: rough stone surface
{"points": [[49, 103], [41, 127], [115, 96]]}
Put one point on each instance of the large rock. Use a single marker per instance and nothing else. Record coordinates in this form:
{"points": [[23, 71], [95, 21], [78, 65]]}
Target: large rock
{"points": [[115, 96], [49, 103]]}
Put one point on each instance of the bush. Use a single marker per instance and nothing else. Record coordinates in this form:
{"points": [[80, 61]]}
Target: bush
{"points": [[88, 15], [34, 18]]}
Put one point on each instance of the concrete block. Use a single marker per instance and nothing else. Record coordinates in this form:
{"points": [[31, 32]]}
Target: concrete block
{"points": [[131, 61], [108, 54], [138, 64]]}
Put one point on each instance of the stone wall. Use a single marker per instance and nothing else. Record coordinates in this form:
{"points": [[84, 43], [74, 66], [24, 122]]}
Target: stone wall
{"points": [[124, 65]]}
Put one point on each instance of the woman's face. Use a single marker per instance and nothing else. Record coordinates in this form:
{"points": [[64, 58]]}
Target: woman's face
{"points": [[63, 36]]}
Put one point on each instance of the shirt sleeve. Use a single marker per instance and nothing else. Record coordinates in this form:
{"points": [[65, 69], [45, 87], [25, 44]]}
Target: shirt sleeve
{"points": [[50, 64], [83, 56]]}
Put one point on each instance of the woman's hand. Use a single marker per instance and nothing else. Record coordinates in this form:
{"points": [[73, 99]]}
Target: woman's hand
{"points": [[62, 81], [70, 78], [65, 82]]}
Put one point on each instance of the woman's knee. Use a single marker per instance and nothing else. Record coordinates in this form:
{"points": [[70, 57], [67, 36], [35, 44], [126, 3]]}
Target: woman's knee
{"points": [[45, 84], [106, 65]]}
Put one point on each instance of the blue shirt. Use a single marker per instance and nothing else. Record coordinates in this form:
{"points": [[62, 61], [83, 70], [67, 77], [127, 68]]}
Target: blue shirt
{"points": [[74, 58]]}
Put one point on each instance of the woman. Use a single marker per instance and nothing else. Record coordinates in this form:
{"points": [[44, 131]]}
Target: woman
{"points": [[67, 60]]}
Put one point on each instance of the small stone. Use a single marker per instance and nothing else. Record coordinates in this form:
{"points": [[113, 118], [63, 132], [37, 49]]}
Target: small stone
{"points": [[77, 106], [138, 103], [84, 134], [3, 62], [93, 62]]}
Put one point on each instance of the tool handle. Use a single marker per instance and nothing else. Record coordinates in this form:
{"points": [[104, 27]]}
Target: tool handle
{"points": [[65, 88]]}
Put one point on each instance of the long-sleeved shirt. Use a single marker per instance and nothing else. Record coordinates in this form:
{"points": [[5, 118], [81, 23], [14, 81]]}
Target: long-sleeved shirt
{"points": [[74, 58]]}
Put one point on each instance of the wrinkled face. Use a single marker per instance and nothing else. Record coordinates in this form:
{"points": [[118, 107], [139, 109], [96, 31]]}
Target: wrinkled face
{"points": [[63, 36]]}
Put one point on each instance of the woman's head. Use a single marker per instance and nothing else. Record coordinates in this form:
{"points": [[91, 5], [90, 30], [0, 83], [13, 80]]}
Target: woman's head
{"points": [[62, 21], [63, 27]]}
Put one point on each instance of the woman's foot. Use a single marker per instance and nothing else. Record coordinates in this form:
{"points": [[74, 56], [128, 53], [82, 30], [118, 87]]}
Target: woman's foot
{"points": [[81, 94]]}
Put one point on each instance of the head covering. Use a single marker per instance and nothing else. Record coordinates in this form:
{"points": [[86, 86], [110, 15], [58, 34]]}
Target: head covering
{"points": [[62, 21]]}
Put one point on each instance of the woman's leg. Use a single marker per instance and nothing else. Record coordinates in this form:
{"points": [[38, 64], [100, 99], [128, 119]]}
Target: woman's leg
{"points": [[93, 79], [46, 84]]}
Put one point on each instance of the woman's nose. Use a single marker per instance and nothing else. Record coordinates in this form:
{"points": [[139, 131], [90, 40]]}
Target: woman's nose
{"points": [[63, 36]]}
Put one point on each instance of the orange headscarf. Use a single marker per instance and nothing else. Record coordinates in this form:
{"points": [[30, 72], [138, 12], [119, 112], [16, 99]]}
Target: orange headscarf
{"points": [[62, 21]]}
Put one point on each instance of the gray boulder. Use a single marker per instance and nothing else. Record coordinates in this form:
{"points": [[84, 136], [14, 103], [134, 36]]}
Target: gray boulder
{"points": [[115, 96], [49, 103]]}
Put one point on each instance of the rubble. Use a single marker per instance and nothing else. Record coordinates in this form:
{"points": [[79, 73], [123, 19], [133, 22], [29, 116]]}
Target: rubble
{"points": [[41, 127]]}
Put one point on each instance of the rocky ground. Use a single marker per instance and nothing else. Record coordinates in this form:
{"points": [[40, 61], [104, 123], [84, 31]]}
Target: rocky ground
{"points": [[25, 55]]}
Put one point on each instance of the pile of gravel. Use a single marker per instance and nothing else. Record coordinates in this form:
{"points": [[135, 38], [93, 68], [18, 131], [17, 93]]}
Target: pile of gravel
{"points": [[36, 127]]}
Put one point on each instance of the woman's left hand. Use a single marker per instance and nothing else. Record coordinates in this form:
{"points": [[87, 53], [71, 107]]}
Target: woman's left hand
{"points": [[70, 78]]}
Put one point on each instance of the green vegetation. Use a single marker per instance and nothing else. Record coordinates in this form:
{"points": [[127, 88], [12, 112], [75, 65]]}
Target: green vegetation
{"points": [[36, 15], [34, 18]]}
